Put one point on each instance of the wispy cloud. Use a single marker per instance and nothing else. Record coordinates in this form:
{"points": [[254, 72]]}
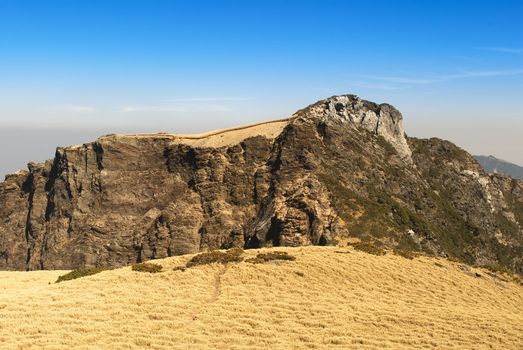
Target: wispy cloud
{"points": [[400, 81], [176, 108], [375, 85], [186, 104], [509, 50], [131, 109], [210, 99], [474, 60], [80, 109], [484, 73]]}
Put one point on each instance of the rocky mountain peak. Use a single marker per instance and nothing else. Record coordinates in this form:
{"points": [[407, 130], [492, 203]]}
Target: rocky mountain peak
{"points": [[381, 119], [337, 170]]}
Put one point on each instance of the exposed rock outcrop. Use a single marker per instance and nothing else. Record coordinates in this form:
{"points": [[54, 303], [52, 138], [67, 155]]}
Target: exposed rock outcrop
{"points": [[341, 167]]}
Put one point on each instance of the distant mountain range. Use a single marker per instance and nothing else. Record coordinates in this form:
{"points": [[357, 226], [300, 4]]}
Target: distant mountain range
{"points": [[492, 164]]}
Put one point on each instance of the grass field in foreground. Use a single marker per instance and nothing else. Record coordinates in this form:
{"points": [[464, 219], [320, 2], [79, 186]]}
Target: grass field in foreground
{"points": [[328, 298]]}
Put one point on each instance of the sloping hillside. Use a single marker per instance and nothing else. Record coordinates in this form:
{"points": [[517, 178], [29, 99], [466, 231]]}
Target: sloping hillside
{"points": [[328, 298]]}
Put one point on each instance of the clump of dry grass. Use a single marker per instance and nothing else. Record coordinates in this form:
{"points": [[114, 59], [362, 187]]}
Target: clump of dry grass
{"points": [[78, 273], [147, 267], [407, 254], [236, 251], [264, 257], [216, 257], [496, 269], [501, 272], [369, 248]]}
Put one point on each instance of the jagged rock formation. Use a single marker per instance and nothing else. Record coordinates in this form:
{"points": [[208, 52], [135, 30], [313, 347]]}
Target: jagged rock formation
{"points": [[339, 168]]}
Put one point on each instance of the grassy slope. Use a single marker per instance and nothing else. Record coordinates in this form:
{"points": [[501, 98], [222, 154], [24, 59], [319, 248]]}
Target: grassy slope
{"points": [[328, 298]]}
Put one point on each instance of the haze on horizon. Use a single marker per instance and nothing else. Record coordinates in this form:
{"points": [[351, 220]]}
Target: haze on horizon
{"points": [[72, 71]]}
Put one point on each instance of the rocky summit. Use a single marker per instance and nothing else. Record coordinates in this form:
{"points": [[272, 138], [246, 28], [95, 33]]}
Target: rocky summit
{"points": [[336, 170]]}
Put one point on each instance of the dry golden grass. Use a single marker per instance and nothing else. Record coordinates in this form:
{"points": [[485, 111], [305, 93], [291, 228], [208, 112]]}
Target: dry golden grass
{"points": [[328, 298], [218, 138], [233, 136]]}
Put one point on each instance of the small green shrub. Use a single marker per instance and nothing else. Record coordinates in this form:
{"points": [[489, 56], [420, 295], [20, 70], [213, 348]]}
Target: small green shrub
{"points": [[508, 227], [369, 248], [147, 267], [264, 257], [78, 273], [216, 256]]}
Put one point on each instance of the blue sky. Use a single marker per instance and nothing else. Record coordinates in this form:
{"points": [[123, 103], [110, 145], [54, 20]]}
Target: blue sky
{"points": [[454, 68]]}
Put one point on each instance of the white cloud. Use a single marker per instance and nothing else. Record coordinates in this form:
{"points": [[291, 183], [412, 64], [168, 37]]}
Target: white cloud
{"points": [[510, 50], [375, 85], [187, 104], [176, 108], [399, 80], [80, 109], [214, 108], [210, 99], [480, 74], [407, 80], [130, 109]]}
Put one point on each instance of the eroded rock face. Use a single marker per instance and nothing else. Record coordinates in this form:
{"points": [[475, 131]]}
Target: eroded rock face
{"points": [[339, 168], [383, 119]]}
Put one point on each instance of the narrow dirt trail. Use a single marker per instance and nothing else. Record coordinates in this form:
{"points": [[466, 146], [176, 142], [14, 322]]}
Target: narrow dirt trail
{"points": [[218, 284], [215, 295]]}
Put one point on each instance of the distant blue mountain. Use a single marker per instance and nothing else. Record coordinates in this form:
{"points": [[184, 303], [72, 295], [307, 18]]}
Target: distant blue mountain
{"points": [[492, 164]]}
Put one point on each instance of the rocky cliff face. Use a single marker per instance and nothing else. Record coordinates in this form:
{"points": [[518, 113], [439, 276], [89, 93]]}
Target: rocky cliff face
{"points": [[339, 168]]}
